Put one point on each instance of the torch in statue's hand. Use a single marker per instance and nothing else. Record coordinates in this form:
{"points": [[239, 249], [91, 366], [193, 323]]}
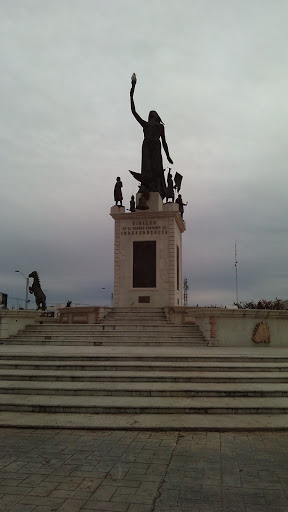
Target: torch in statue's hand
{"points": [[133, 82]]}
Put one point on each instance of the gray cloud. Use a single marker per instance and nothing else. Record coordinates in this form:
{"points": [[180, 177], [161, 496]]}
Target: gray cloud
{"points": [[217, 74]]}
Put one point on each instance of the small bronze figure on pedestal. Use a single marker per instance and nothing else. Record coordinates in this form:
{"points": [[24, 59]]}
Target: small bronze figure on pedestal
{"points": [[118, 192], [132, 204], [170, 188], [181, 204]]}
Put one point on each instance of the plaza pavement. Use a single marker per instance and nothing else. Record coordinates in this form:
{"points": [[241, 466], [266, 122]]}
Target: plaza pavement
{"points": [[45, 470]]}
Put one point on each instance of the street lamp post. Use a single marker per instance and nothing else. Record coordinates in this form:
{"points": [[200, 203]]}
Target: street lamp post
{"points": [[27, 288]]}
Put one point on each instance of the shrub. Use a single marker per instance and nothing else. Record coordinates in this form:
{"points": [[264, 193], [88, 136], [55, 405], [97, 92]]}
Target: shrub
{"points": [[275, 304]]}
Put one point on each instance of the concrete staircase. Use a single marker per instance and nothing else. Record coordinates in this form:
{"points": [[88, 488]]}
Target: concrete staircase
{"points": [[146, 384], [128, 327]]}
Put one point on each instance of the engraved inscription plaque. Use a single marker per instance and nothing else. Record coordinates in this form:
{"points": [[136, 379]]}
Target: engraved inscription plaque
{"points": [[144, 264], [144, 299]]}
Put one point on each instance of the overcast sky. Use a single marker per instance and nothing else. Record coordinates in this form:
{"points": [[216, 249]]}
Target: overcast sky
{"points": [[216, 72]]}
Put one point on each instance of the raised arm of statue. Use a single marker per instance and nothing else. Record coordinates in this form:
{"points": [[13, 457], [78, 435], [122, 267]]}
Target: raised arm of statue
{"points": [[165, 146], [133, 110]]}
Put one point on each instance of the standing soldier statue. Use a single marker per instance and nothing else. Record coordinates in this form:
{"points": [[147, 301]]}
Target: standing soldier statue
{"points": [[118, 192]]}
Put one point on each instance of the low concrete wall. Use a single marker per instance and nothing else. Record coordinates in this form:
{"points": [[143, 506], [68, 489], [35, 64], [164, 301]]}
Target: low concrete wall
{"points": [[232, 327], [83, 314], [13, 321]]}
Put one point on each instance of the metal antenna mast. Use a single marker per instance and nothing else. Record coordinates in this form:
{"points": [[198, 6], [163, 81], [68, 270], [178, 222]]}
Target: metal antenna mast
{"points": [[186, 288], [236, 274]]}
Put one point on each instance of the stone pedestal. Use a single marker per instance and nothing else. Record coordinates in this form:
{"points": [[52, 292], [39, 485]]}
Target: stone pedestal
{"points": [[148, 255]]}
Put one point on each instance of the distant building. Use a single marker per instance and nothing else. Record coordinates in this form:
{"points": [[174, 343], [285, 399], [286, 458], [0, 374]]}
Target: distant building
{"points": [[53, 311], [3, 300]]}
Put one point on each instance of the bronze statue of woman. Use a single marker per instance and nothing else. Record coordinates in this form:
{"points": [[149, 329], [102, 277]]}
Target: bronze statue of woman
{"points": [[152, 174]]}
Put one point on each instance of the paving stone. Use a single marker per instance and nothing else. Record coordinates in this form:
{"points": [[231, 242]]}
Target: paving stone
{"points": [[277, 509], [105, 506], [71, 505], [11, 482], [118, 471], [122, 482], [124, 491], [20, 507], [42, 501], [103, 493], [254, 500], [13, 490], [65, 469], [89, 484], [139, 508], [88, 474], [134, 498], [156, 469], [32, 480], [164, 507], [15, 466], [190, 494], [70, 483], [75, 495], [168, 498], [231, 480], [233, 502], [7, 501], [104, 467], [211, 493], [148, 488], [257, 508], [276, 498], [45, 508], [43, 489], [143, 478], [38, 469]]}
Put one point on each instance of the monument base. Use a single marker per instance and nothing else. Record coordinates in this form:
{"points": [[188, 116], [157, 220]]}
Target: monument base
{"points": [[148, 255]]}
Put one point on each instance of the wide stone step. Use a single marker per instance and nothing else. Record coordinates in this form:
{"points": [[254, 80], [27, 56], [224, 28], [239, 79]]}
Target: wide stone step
{"points": [[135, 312], [143, 389], [91, 328], [138, 316], [192, 366], [256, 355], [142, 405], [112, 343], [147, 376], [156, 422], [122, 321], [135, 309], [146, 336]]}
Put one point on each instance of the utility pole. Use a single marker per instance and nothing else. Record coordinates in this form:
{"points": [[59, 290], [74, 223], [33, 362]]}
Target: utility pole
{"points": [[27, 288], [186, 288], [236, 274]]}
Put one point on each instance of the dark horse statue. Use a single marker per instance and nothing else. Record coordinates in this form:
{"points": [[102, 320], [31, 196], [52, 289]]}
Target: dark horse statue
{"points": [[40, 297]]}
